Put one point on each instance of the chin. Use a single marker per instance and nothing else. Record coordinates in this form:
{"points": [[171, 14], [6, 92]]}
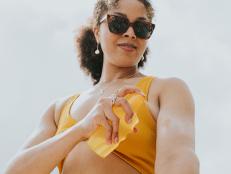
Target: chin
{"points": [[123, 63]]}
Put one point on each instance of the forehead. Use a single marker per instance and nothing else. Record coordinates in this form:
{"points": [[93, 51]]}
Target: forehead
{"points": [[133, 9]]}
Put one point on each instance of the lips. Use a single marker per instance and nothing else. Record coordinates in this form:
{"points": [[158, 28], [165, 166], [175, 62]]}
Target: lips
{"points": [[127, 46]]}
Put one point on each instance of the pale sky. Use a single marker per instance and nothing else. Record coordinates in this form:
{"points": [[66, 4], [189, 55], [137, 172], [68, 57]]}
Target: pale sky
{"points": [[38, 65]]}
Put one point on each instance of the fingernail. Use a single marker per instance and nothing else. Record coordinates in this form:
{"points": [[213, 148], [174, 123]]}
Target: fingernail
{"points": [[116, 139], [135, 130]]}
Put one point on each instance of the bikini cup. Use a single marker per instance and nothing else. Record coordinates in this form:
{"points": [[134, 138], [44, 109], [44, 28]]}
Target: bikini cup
{"points": [[97, 141]]}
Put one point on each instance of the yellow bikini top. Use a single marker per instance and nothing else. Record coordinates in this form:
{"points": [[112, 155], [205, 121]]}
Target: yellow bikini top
{"points": [[137, 149]]}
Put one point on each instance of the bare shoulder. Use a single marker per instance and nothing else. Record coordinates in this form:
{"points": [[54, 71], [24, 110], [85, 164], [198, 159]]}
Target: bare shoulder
{"points": [[174, 82], [164, 91], [175, 88], [160, 86], [161, 81]]}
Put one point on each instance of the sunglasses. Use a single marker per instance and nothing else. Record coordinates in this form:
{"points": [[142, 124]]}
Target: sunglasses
{"points": [[120, 24]]}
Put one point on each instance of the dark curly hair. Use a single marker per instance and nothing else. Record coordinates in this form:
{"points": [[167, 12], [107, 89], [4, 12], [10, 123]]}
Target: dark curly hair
{"points": [[86, 43]]}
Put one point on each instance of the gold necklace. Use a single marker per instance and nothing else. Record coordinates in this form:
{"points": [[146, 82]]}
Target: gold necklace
{"points": [[101, 91]]}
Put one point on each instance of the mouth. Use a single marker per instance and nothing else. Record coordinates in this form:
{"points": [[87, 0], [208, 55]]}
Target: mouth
{"points": [[127, 46]]}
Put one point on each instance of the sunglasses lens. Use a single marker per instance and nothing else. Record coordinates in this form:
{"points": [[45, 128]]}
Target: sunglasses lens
{"points": [[118, 24], [143, 29]]}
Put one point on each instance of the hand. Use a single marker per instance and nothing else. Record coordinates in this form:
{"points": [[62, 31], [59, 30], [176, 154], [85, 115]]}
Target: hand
{"points": [[102, 113]]}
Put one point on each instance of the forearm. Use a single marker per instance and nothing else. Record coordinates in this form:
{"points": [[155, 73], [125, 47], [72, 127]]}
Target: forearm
{"points": [[184, 163], [43, 158]]}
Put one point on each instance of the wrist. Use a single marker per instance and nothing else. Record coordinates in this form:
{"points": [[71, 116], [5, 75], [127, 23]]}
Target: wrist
{"points": [[80, 132]]}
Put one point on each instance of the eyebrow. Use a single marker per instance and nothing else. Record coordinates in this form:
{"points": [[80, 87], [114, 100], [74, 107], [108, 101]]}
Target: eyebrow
{"points": [[139, 18]]}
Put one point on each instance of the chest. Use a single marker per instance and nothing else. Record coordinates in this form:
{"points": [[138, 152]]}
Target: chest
{"points": [[85, 102]]}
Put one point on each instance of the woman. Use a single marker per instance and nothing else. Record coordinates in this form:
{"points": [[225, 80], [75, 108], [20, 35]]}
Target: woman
{"points": [[111, 50]]}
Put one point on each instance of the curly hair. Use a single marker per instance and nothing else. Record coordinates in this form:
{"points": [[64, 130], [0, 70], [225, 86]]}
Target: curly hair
{"points": [[86, 43]]}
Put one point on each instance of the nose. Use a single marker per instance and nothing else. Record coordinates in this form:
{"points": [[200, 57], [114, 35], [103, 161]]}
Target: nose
{"points": [[130, 33]]}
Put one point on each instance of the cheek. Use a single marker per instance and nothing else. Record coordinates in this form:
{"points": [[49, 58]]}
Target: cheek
{"points": [[143, 46], [108, 41]]}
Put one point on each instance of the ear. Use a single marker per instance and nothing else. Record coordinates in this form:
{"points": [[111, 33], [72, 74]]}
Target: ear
{"points": [[96, 33]]}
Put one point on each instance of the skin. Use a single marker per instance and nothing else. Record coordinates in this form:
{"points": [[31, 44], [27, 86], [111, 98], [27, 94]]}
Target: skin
{"points": [[121, 63], [170, 102]]}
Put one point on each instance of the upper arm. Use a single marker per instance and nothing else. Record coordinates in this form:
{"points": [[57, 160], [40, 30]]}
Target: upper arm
{"points": [[175, 123], [47, 126]]}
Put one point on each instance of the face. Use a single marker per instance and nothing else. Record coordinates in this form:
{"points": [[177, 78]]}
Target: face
{"points": [[114, 45]]}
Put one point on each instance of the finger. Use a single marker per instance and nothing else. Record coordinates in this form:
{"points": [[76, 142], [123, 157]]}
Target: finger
{"points": [[108, 129], [115, 123], [128, 110]]}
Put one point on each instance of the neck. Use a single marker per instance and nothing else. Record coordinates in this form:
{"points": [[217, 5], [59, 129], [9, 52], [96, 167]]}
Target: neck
{"points": [[117, 74]]}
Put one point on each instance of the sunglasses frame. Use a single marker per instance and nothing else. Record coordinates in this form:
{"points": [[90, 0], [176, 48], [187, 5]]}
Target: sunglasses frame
{"points": [[129, 24]]}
